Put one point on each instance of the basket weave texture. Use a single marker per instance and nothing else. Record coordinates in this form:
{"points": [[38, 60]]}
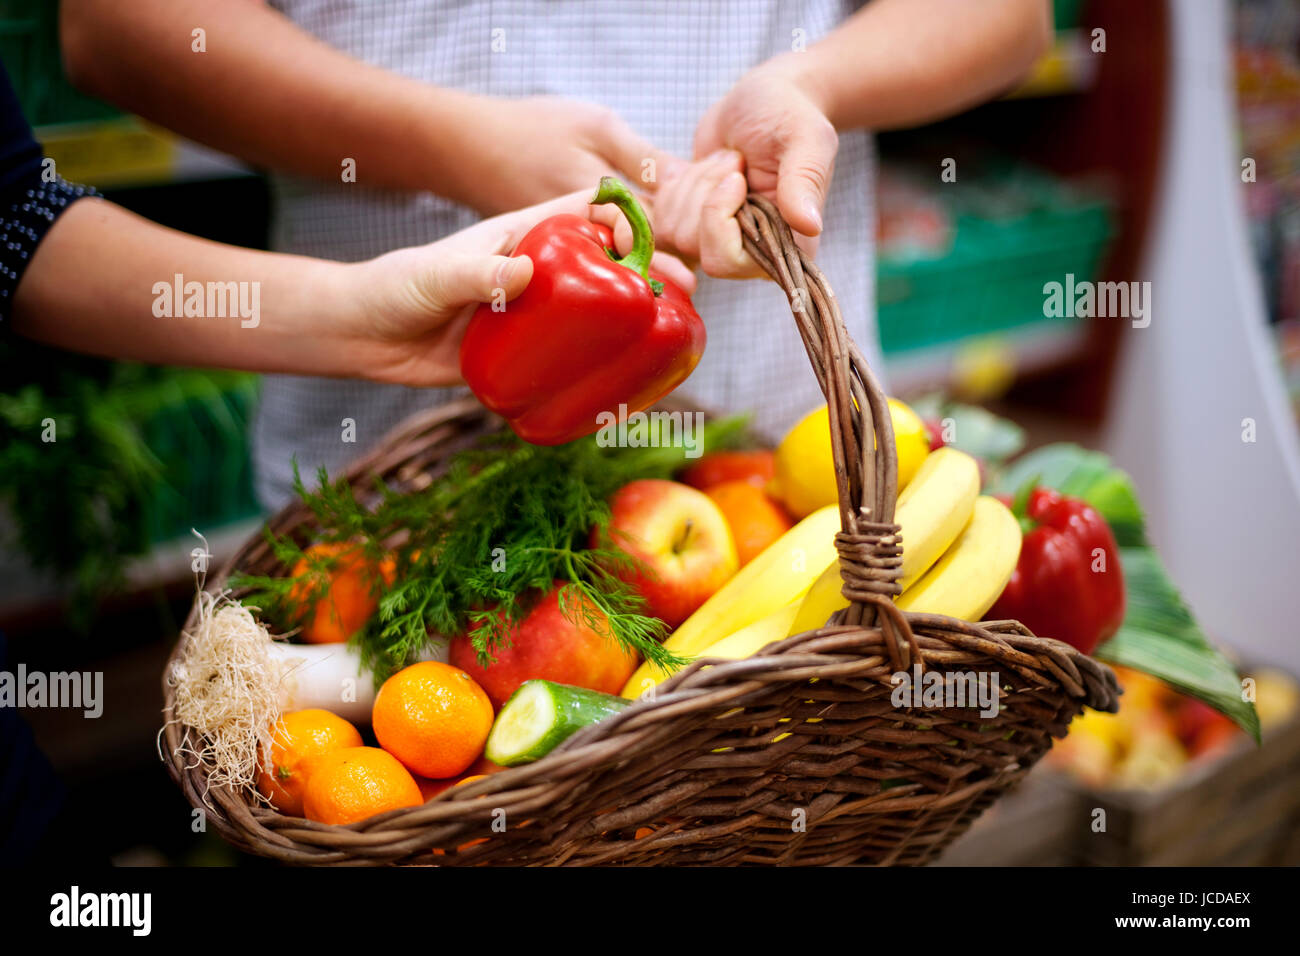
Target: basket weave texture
{"points": [[796, 755]]}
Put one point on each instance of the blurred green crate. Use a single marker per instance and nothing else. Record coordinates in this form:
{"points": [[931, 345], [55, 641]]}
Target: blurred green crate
{"points": [[197, 429], [1002, 254], [1066, 13], [29, 47], [18, 53]]}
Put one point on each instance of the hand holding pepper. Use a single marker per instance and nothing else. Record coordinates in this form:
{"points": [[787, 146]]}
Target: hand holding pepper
{"points": [[1068, 583]]}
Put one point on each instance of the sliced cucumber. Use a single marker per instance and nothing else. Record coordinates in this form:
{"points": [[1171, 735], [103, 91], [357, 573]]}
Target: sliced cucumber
{"points": [[541, 715]]}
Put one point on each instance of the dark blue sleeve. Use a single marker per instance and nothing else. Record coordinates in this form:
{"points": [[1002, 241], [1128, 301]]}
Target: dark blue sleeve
{"points": [[31, 794], [31, 195]]}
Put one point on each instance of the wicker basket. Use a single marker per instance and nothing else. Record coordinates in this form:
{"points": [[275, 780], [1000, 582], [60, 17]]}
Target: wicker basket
{"points": [[793, 756]]}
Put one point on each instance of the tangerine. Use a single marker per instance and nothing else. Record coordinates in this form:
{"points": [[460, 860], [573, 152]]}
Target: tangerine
{"points": [[298, 739], [754, 518], [335, 609], [356, 783], [433, 718]]}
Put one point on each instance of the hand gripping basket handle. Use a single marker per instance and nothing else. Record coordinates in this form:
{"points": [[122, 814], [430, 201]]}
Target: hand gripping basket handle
{"points": [[866, 471]]}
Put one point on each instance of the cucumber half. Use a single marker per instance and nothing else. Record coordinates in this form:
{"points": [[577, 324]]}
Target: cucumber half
{"points": [[541, 715]]}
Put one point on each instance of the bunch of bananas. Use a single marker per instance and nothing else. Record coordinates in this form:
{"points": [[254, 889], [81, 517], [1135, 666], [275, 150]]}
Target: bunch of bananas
{"points": [[959, 550]]}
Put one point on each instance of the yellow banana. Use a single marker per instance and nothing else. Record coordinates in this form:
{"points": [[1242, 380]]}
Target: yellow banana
{"points": [[822, 600], [972, 573], [749, 640], [746, 642], [934, 508], [782, 573], [931, 512]]}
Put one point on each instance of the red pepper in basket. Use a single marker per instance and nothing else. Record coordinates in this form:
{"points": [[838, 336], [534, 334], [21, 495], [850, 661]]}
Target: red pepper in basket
{"points": [[591, 332], [1068, 583]]}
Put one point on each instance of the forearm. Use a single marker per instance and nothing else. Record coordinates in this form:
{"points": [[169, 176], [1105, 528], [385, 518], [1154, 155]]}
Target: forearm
{"points": [[265, 91], [101, 276], [905, 62]]}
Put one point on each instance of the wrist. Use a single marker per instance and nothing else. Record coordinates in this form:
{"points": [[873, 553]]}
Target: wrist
{"points": [[804, 71], [326, 332], [447, 153]]}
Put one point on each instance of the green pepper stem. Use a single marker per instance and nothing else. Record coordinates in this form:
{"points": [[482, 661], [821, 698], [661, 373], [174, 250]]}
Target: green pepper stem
{"points": [[1020, 503], [643, 237]]}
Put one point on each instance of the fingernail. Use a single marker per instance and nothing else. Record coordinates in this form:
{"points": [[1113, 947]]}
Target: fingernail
{"points": [[813, 213], [505, 271]]}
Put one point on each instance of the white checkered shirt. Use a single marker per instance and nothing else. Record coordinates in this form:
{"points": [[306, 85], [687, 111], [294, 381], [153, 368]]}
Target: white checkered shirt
{"points": [[660, 64]]}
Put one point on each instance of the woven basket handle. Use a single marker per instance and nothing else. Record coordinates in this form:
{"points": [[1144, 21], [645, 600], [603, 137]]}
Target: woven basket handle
{"points": [[866, 471]]}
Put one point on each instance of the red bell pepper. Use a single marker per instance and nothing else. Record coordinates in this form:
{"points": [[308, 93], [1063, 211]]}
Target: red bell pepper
{"points": [[591, 334], [1068, 583]]}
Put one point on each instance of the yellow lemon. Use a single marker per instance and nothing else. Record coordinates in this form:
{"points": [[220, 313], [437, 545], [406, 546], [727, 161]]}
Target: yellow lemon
{"points": [[911, 439], [984, 369], [804, 478]]}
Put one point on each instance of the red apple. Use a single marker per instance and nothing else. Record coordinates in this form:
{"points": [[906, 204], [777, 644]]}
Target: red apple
{"points": [[548, 645], [757, 467], [681, 539]]}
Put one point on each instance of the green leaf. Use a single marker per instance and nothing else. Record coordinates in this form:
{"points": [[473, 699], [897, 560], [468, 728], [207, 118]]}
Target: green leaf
{"points": [[1160, 637]]}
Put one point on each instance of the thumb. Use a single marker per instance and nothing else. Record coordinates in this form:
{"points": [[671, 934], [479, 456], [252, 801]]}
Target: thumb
{"points": [[804, 178], [461, 280]]}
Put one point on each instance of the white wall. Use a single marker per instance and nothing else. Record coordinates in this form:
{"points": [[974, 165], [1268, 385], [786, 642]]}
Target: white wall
{"points": [[1224, 513]]}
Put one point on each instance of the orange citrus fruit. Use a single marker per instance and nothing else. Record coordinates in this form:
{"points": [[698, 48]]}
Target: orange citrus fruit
{"points": [[754, 518], [756, 467], [356, 783], [433, 718], [431, 788], [297, 740], [350, 592]]}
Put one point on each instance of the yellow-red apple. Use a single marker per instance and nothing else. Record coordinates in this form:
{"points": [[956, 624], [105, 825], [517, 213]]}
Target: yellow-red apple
{"points": [[681, 541]]}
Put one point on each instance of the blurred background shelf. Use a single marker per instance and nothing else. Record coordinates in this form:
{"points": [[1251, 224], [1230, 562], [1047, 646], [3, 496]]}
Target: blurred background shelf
{"points": [[1267, 65], [124, 151], [961, 266], [1091, 135]]}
